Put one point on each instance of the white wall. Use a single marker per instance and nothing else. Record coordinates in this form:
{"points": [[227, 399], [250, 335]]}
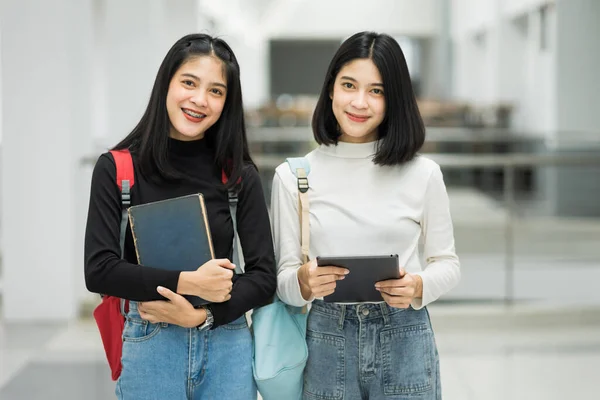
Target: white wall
{"points": [[341, 18], [249, 25], [498, 59], [514, 8], [578, 66], [46, 107], [137, 35]]}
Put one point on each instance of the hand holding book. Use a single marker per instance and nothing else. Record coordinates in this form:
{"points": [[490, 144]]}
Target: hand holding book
{"points": [[212, 281], [174, 234], [174, 310]]}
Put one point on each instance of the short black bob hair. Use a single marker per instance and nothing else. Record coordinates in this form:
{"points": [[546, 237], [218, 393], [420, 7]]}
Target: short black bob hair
{"points": [[401, 133], [150, 138]]}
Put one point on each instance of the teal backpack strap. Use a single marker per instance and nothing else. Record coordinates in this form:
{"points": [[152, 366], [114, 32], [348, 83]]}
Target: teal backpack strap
{"points": [[301, 168]]}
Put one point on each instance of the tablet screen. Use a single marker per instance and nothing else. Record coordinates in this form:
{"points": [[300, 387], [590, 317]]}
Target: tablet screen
{"points": [[365, 271]]}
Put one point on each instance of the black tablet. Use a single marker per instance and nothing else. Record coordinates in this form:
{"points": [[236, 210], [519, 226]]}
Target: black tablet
{"points": [[365, 271]]}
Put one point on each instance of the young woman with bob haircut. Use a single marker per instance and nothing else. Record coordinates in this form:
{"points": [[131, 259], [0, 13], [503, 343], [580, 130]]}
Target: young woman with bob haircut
{"points": [[370, 194]]}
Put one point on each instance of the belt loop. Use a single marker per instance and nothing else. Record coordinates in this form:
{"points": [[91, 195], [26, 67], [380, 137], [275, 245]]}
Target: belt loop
{"points": [[342, 317], [384, 313]]}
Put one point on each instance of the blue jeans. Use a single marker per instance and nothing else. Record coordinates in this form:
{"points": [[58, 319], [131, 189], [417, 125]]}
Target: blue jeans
{"points": [[162, 361], [370, 351]]}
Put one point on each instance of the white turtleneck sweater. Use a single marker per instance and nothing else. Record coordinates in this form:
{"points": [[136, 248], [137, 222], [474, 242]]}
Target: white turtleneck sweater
{"points": [[360, 208]]}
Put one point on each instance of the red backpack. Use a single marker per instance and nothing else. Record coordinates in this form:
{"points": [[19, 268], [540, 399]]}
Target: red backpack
{"points": [[110, 313]]}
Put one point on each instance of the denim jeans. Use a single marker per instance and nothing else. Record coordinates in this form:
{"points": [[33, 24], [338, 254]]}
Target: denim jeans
{"points": [[162, 361], [370, 351]]}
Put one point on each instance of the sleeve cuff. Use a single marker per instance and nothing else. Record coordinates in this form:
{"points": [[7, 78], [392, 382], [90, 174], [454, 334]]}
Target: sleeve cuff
{"points": [[288, 290]]}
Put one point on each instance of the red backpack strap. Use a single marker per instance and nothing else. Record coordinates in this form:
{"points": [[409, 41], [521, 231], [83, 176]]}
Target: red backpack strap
{"points": [[124, 164], [125, 177]]}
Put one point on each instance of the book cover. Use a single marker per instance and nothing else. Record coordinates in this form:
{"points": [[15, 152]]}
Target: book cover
{"points": [[172, 234]]}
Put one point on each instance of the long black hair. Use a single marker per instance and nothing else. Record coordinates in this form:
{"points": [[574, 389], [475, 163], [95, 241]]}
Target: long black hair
{"points": [[150, 138], [401, 133]]}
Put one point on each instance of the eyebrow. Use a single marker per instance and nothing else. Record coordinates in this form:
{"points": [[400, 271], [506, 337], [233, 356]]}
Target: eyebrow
{"points": [[354, 80], [198, 79]]}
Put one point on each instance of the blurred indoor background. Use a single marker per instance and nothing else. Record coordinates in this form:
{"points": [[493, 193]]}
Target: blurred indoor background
{"points": [[508, 90]]}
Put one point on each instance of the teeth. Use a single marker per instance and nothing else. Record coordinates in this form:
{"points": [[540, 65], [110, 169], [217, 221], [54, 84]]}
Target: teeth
{"points": [[193, 114]]}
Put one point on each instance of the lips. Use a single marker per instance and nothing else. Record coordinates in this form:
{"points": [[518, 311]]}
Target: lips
{"points": [[192, 115], [357, 118]]}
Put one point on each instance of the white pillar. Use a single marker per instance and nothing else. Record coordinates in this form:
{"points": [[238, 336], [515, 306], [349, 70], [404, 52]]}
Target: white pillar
{"points": [[137, 35], [46, 104]]}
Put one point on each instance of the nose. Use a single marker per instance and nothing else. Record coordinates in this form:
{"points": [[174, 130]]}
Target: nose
{"points": [[199, 99], [359, 101]]}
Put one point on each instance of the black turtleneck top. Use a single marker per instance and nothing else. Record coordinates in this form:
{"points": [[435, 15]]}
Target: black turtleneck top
{"points": [[107, 273]]}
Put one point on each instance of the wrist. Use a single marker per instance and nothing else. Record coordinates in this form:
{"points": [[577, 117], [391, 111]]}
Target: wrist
{"points": [[419, 286], [305, 290], [184, 285], [208, 319], [198, 317]]}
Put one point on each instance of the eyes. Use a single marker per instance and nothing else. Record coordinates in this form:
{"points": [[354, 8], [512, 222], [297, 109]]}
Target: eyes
{"points": [[190, 84], [350, 86]]}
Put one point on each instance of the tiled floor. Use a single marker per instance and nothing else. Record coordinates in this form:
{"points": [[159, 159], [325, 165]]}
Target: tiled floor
{"points": [[487, 353]]}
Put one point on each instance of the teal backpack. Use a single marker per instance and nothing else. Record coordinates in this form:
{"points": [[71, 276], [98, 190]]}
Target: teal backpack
{"points": [[280, 350]]}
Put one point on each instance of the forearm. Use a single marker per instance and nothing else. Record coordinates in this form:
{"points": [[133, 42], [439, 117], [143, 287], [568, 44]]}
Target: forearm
{"points": [[119, 278], [185, 284], [250, 290]]}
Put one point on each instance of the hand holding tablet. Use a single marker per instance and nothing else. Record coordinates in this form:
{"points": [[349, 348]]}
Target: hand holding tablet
{"points": [[399, 293], [321, 281], [364, 273]]}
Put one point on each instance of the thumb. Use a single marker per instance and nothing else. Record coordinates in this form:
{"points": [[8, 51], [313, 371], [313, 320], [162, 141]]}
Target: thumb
{"points": [[225, 263], [163, 291], [402, 272], [312, 265]]}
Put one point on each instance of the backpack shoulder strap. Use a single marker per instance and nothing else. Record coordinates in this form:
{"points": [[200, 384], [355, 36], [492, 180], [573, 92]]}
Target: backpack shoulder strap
{"points": [[238, 256], [125, 181], [300, 167]]}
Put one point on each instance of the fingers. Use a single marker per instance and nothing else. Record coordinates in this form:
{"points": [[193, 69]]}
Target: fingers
{"points": [[324, 290], [219, 297], [398, 291], [163, 291], [406, 281], [225, 263], [152, 307], [396, 301], [331, 271], [390, 283], [147, 316], [324, 279]]}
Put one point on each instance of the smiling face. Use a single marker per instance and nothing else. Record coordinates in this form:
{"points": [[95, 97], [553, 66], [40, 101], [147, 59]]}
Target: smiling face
{"points": [[196, 97], [358, 101]]}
